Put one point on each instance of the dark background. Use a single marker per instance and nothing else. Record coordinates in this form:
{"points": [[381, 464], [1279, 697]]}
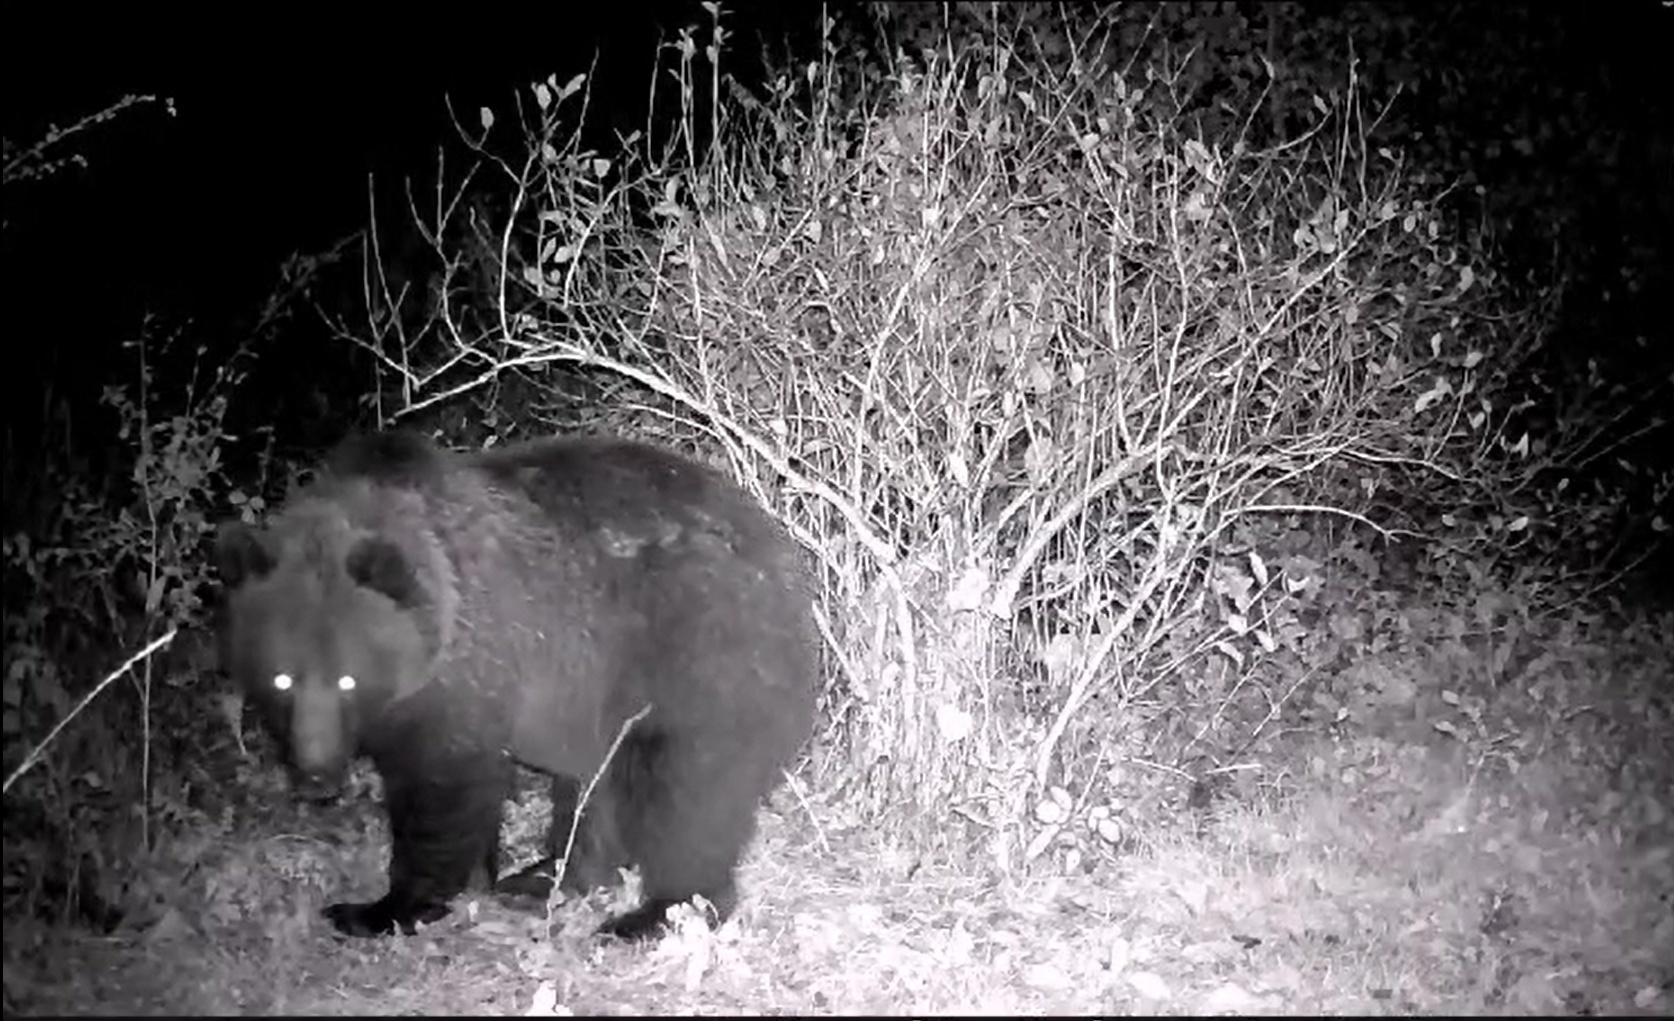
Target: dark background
{"points": [[277, 125], [279, 119]]}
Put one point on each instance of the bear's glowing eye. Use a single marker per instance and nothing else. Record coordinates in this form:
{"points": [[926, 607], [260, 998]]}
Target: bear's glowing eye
{"points": [[345, 683], [282, 682]]}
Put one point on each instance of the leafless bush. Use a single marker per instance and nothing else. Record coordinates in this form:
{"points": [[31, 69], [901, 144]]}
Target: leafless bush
{"points": [[1066, 401]]}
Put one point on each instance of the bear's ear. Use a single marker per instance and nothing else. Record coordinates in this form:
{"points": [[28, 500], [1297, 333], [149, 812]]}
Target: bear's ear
{"points": [[240, 554], [379, 565]]}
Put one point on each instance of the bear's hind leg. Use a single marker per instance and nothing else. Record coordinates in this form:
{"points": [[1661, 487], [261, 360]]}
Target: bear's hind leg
{"points": [[686, 813]]}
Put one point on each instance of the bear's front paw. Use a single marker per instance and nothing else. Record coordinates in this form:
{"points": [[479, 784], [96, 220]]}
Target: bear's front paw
{"points": [[648, 921], [382, 917]]}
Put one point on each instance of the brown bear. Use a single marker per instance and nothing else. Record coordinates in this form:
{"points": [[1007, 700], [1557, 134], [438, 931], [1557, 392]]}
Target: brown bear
{"points": [[447, 614]]}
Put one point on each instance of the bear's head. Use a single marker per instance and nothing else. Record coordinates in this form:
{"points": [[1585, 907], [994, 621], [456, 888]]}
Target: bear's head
{"points": [[322, 626]]}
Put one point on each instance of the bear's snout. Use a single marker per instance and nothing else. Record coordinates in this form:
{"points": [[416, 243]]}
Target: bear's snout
{"points": [[319, 788], [319, 750]]}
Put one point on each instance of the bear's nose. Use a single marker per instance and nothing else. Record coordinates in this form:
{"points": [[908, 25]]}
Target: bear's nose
{"points": [[318, 737], [319, 787]]}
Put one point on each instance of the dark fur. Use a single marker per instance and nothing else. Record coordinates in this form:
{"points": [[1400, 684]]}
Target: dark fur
{"points": [[528, 601]]}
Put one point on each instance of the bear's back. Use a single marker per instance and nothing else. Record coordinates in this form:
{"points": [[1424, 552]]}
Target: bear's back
{"points": [[396, 456], [634, 497]]}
